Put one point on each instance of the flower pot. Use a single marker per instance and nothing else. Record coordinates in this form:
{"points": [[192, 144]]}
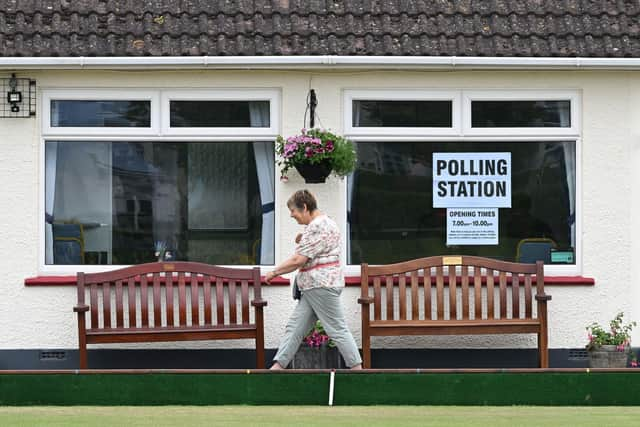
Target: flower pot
{"points": [[314, 173], [323, 357], [608, 356]]}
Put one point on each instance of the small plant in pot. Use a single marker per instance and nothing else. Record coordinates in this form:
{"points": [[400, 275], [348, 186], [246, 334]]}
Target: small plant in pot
{"points": [[317, 351], [609, 348], [315, 153]]}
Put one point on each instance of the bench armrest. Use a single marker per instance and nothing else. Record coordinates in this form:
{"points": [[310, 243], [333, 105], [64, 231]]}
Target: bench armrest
{"points": [[258, 303], [81, 308], [365, 300], [543, 297]]}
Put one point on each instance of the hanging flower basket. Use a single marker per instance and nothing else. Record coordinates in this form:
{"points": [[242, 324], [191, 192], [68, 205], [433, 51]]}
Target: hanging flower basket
{"points": [[315, 154], [314, 173]]}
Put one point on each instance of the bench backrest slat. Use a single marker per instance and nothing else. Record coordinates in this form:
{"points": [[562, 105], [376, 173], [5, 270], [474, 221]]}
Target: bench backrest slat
{"points": [[515, 295], [403, 297], [219, 300], [144, 301], [471, 288], [131, 293], [377, 315], [93, 298], [233, 316], [415, 306], [490, 294], [464, 285], [206, 291], [169, 294], [389, 288], [157, 307], [503, 294], [146, 296], [453, 308], [106, 304], [119, 305], [195, 312], [245, 302], [439, 293], [477, 292], [528, 311]]}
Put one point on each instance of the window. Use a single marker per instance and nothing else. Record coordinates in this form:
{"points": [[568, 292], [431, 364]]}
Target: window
{"points": [[367, 113], [81, 113], [217, 113], [101, 111], [521, 113], [395, 175], [235, 113], [536, 114], [115, 200], [409, 113]]}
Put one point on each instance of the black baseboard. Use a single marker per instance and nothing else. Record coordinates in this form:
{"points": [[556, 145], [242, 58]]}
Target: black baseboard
{"points": [[245, 358]]}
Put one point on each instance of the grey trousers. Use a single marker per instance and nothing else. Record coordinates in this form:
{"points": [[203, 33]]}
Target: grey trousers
{"points": [[318, 304]]}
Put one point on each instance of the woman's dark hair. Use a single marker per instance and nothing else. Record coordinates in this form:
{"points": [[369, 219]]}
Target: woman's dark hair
{"points": [[301, 198]]}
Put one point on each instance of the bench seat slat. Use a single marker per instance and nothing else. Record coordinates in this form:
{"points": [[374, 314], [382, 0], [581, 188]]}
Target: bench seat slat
{"points": [[170, 334], [454, 327]]}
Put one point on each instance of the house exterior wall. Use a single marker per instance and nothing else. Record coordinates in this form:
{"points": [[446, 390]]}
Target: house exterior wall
{"points": [[42, 317]]}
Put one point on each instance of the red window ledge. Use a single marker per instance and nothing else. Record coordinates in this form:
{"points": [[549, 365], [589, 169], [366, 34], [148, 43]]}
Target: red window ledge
{"points": [[71, 281]]}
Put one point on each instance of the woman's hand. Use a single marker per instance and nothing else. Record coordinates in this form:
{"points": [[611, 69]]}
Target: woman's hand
{"points": [[298, 237], [269, 276]]}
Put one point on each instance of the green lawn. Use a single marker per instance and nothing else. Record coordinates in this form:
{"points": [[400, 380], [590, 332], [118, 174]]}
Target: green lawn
{"points": [[311, 416]]}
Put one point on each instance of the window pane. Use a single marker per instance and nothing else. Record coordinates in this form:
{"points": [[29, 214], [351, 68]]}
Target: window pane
{"points": [[74, 113], [111, 202], [529, 114], [402, 113], [396, 178], [219, 113]]}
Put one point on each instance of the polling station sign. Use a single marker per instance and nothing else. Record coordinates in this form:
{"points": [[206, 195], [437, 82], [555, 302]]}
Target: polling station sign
{"points": [[471, 180]]}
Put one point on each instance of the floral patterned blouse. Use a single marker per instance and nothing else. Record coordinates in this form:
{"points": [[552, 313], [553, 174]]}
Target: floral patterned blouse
{"points": [[320, 242]]}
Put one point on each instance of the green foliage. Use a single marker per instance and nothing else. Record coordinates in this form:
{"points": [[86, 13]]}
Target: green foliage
{"points": [[315, 146], [618, 334]]}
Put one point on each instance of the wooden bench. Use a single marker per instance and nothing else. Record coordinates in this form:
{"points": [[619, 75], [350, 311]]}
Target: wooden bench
{"points": [[170, 301], [464, 295]]}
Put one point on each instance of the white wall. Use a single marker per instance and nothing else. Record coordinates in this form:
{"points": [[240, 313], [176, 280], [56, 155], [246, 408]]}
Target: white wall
{"points": [[42, 317]]}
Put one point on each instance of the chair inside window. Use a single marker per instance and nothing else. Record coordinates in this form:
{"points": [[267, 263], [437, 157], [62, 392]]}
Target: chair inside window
{"points": [[68, 244], [534, 249]]}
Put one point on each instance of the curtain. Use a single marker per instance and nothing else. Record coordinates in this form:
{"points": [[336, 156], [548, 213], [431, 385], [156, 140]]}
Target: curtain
{"points": [[569, 149], [51, 156], [356, 113], [264, 154]]}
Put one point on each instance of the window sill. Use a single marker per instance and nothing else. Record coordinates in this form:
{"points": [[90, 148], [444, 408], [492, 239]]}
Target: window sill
{"points": [[548, 281], [71, 281]]}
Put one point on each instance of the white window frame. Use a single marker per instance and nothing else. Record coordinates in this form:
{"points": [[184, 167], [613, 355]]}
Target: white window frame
{"points": [[523, 135], [273, 96], [350, 95], [521, 95], [151, 134], [99, 95]]}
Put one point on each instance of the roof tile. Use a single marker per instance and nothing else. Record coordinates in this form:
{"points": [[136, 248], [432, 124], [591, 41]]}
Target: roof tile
{"points": [[609, 28]]}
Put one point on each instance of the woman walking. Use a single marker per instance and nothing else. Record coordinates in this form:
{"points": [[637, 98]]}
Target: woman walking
{"points": [[320, 280]]}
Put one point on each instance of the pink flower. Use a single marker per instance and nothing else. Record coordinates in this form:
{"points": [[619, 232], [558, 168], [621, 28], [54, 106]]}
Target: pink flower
{"points": [[634, 363]]}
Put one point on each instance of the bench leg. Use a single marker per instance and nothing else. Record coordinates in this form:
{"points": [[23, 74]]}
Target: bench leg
{"points": [[259, 339], [82, 341], [543, 349], [366, 350]]}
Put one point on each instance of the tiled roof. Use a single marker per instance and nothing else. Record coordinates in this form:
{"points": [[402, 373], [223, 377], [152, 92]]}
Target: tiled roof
{"points": [[530, 28]]}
